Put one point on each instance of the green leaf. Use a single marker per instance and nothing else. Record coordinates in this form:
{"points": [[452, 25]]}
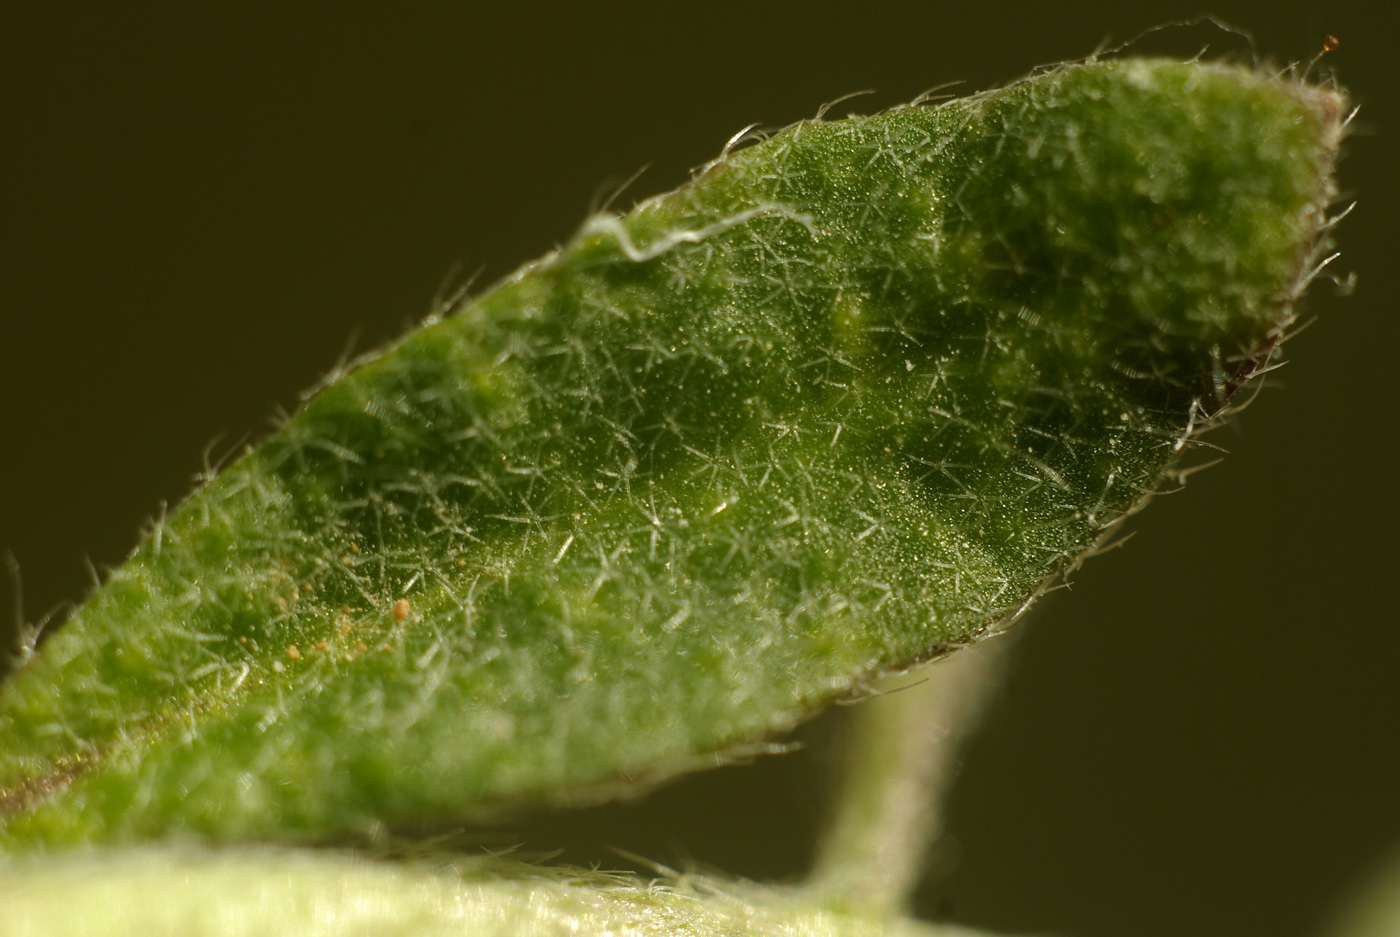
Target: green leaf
{"points": [[265, 893], [1374, 911], [848, 400]]}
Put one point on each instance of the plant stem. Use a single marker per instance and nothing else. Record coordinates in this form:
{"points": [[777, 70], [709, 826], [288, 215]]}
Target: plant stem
{"points": [[899, 759]]}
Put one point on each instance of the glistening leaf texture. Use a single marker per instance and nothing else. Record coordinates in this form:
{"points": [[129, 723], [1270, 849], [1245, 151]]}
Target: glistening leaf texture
{"points": [[849, 399]]}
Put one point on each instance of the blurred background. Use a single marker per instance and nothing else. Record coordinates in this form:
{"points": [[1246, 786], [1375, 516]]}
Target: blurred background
{"points": [[205, 206]]}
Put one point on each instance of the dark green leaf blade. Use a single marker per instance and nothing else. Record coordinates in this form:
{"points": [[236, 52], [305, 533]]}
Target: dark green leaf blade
{"points": [[848, 400]]}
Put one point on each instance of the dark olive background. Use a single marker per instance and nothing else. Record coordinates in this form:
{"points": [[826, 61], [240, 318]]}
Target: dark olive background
{"points": [[202, 207]]}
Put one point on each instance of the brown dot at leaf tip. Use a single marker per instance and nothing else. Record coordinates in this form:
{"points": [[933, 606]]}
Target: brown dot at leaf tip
{"points": [[402, 609], [293, 653], [1331, 44]]}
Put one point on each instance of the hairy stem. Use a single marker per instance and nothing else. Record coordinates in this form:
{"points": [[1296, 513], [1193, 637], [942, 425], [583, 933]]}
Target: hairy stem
{"points": [[899, 760]]}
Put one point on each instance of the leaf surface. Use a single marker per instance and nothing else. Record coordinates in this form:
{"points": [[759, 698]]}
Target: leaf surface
{"points": [[848, 400], [264, 893]]}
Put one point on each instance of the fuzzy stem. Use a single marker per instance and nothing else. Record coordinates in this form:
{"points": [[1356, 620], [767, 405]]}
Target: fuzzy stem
{"points": [[899, 759]]}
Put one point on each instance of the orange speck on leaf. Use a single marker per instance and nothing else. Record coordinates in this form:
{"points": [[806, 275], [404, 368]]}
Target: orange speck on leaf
{"points": [[402, 609], [293, 653]]}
